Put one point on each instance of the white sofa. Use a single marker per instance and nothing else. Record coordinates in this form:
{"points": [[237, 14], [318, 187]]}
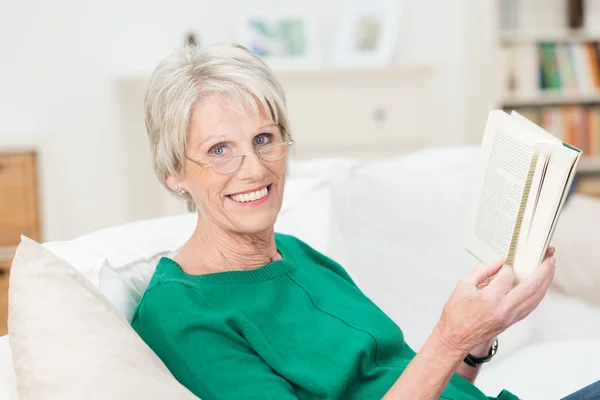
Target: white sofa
{"points": [[397, 226]]}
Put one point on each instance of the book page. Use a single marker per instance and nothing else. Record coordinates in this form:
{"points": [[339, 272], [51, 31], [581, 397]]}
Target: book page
{"points": [[547, 210], [544, 135], [566, 190], [505, 159], [543, 153]]}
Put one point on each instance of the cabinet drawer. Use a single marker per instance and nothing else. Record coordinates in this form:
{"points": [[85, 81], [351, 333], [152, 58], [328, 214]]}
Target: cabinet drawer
{"points": [[18, 198]]}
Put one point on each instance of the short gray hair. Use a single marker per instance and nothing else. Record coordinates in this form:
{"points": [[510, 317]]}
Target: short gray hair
{"points": [[191, 74]]}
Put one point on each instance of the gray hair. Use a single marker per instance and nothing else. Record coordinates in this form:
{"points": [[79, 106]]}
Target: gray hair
{"points": [[191, 74]]}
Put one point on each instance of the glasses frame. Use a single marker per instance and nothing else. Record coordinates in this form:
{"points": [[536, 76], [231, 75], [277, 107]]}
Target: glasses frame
{"points": [[243, 156]]}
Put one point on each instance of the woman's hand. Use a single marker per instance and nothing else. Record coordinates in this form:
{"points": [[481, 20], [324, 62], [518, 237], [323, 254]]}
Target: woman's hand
{"points": [[486, 302]]}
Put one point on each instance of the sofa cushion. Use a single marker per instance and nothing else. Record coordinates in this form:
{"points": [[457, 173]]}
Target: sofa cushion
{"points": [[8, 381], [549, 370], [69, 342], [577, 240]]}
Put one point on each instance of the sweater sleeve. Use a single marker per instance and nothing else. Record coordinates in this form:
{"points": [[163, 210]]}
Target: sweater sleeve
{"points": [[204, 354]]}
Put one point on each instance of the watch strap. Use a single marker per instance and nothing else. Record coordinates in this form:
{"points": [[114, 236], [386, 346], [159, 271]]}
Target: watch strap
{"points": [[473, 361]]}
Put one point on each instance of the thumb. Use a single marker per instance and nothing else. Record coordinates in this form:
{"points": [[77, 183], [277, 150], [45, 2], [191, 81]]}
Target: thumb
{"points": [[484, 271]]}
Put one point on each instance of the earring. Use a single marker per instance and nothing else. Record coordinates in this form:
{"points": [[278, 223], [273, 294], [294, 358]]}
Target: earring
{"points": [[181, 192]]}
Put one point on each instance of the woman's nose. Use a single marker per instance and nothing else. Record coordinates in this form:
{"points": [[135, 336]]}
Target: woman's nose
{"points": [[252, 168]]}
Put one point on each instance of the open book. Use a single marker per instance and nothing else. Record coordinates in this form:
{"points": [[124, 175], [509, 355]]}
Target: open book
{"points": [[523, 180]]}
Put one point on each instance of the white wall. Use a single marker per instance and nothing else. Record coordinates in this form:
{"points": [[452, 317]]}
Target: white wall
{"points": [[68, 90], [16, 68], [481, 65]]}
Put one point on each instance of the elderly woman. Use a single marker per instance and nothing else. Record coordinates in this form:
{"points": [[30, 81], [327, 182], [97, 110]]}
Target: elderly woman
{"points": [[241, 312]]}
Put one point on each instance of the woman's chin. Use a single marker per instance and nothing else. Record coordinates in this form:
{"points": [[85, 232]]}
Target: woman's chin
{"points": [[254, 224], [253, 229]]}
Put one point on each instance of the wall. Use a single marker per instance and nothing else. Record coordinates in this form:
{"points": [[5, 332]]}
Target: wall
{"points": [[16, 69], [79, 57], [482, 90]]}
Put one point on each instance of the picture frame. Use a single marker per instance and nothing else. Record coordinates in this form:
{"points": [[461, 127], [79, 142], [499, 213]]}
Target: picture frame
{"points": [[367, 34], [284, 40]]}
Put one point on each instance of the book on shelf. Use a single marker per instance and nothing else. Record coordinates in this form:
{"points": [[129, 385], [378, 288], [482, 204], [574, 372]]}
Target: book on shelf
{"points": [[575, 124], [547, 67], [524, 176]]}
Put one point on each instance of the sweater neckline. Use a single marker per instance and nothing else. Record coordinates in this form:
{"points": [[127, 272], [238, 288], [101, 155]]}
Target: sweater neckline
{"points": [[267, 272]]}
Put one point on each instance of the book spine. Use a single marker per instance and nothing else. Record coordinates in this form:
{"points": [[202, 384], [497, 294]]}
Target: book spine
{"points": [[595, 150], [553, 67], [541, 71], [510, 257], [590, 49], [571, 66]]}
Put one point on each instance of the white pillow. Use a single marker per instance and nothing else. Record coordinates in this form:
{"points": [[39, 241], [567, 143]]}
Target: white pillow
{"points": [[322, 168], [307, 213], [403, 223], [577, 242], [8, 382], [133, 247], [68, 341], [565, 318]]}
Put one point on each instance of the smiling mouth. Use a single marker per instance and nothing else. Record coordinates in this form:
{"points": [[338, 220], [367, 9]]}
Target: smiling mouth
{"points": [[250, 196]]}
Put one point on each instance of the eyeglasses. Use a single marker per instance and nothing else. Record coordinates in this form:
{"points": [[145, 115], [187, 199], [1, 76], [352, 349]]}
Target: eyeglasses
{"points": [[228, 165]]}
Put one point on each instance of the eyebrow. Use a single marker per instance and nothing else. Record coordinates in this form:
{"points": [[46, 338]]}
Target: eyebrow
{"points": [[223, 136], [211, 138]]}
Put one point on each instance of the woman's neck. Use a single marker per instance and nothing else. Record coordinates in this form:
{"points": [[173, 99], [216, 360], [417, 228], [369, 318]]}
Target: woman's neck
{"points": [[212, 249]]}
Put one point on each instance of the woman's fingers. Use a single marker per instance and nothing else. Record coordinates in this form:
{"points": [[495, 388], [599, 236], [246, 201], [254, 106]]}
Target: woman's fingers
{"points": [[484, 271], [503, 282], [550, 251], [535, 284], [525, 308]]}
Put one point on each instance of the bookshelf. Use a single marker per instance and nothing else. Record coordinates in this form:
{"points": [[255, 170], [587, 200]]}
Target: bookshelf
{"points": [[550, 68], [550, 98]]}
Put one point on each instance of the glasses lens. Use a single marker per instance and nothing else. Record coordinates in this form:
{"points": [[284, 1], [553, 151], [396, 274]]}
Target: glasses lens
{"points": [[275, 152], [227, 165]]}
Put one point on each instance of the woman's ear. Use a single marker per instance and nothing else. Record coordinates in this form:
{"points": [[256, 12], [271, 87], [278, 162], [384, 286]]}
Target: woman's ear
{"points": [[174, 183]]}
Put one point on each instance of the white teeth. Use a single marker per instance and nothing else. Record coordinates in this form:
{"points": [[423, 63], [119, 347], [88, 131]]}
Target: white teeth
{"points": [[245, 197]]}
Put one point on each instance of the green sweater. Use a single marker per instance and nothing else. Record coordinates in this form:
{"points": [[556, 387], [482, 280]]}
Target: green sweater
{"points": [[296, 328]]}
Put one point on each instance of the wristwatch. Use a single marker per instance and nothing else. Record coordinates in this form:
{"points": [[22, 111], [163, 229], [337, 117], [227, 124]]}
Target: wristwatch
{"points": [[474, 361]]}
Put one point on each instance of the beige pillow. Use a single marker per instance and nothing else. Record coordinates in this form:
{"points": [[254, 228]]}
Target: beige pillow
{"points": [[69, 342], [577, 242]]}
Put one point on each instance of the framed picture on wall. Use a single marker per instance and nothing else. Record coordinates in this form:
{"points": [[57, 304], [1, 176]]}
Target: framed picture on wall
{"points": [[366, 34], [283, 40]]}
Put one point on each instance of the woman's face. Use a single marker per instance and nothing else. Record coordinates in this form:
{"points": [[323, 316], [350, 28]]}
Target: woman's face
{"points": [[248, 200]]}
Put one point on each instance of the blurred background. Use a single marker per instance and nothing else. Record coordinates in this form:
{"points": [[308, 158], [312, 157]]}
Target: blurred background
{"points": [[363, 79]]}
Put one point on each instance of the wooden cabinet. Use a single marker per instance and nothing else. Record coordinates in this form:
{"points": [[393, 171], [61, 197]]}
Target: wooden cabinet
{"points": [[18, 198], [19, 213]]}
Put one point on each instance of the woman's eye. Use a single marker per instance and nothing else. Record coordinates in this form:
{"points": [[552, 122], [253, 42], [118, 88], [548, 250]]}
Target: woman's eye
{"points": [[263, 139], [217, 150]]}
